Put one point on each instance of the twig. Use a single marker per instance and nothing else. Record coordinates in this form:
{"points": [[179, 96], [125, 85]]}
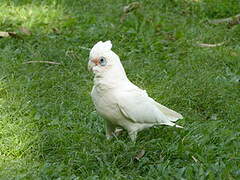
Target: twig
{"points": [[47, 62], [231, 20], [210, 45]]}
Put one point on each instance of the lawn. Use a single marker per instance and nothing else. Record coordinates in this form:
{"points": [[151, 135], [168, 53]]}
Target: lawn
{"points": [[49, 128]]}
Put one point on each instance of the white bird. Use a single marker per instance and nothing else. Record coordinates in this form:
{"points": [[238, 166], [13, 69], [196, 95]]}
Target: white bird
{"points": [[120, 102]]}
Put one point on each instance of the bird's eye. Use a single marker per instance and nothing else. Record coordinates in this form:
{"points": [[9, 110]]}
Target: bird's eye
{"points": [[102, 61]]}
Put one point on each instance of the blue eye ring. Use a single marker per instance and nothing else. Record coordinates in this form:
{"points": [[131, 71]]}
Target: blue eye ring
{"points": [[102, 61]]}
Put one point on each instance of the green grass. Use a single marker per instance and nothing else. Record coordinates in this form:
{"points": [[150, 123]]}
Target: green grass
{"points": [[48, 125]]}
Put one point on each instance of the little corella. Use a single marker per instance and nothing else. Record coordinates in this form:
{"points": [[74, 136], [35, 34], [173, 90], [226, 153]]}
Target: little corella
{"points": [[120, 102]]}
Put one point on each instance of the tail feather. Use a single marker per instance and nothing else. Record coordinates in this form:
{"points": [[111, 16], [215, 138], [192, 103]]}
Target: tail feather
{"points": [[172, 124], [172, 115]]}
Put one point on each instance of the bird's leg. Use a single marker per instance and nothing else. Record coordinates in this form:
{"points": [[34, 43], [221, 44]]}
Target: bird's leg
{"points": [[110, 128], [133, 135]]}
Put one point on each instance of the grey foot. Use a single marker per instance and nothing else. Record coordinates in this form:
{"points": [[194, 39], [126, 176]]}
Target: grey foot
{"points": [[133, 135]]}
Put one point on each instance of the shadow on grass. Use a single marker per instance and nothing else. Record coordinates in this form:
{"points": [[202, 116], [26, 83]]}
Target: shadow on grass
{"points": [[43, 107]]}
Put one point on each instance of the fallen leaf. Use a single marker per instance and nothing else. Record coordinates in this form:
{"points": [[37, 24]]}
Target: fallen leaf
{"points": [[8, 34], [4, 34], [25, 31], [129, 8], [13, 34], [139, 155], [132, 6]]}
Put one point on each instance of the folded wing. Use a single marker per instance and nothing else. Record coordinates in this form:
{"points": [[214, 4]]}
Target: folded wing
{"points": [[139, 108]]}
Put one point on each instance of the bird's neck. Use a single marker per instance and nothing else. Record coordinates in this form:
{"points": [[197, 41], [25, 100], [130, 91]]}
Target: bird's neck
{"points": [[111, 78]]}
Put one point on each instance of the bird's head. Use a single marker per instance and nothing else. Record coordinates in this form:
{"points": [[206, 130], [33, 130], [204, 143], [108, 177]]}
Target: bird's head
{"points": [[102, 60]]}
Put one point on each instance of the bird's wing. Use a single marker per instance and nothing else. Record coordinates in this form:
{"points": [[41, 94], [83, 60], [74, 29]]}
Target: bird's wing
{"points": [[138, 107]]}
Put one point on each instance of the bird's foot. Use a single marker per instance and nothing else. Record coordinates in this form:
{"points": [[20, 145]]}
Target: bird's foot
{"points": [[118, 131], [133, 136]]}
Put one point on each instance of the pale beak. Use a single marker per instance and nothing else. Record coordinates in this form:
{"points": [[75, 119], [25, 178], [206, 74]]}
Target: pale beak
{"points": [[95, 61], [92, 62]]}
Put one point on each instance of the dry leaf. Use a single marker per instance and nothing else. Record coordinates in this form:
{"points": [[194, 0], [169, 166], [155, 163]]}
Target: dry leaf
{"points": [[8, 34], [4, 34], [132, 6], [25, 31], [139, 155], [13, 34], [126, 9]]}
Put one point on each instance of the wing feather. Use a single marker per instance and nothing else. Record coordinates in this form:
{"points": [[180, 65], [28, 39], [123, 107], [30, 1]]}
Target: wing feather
{"points": [[139, 108], [173, 115]]}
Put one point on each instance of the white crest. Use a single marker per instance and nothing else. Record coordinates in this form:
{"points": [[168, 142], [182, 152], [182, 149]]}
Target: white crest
{"points": [[101, 47]]}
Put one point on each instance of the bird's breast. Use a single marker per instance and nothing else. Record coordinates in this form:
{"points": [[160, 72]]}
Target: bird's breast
{"points": [[105, 103]]}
